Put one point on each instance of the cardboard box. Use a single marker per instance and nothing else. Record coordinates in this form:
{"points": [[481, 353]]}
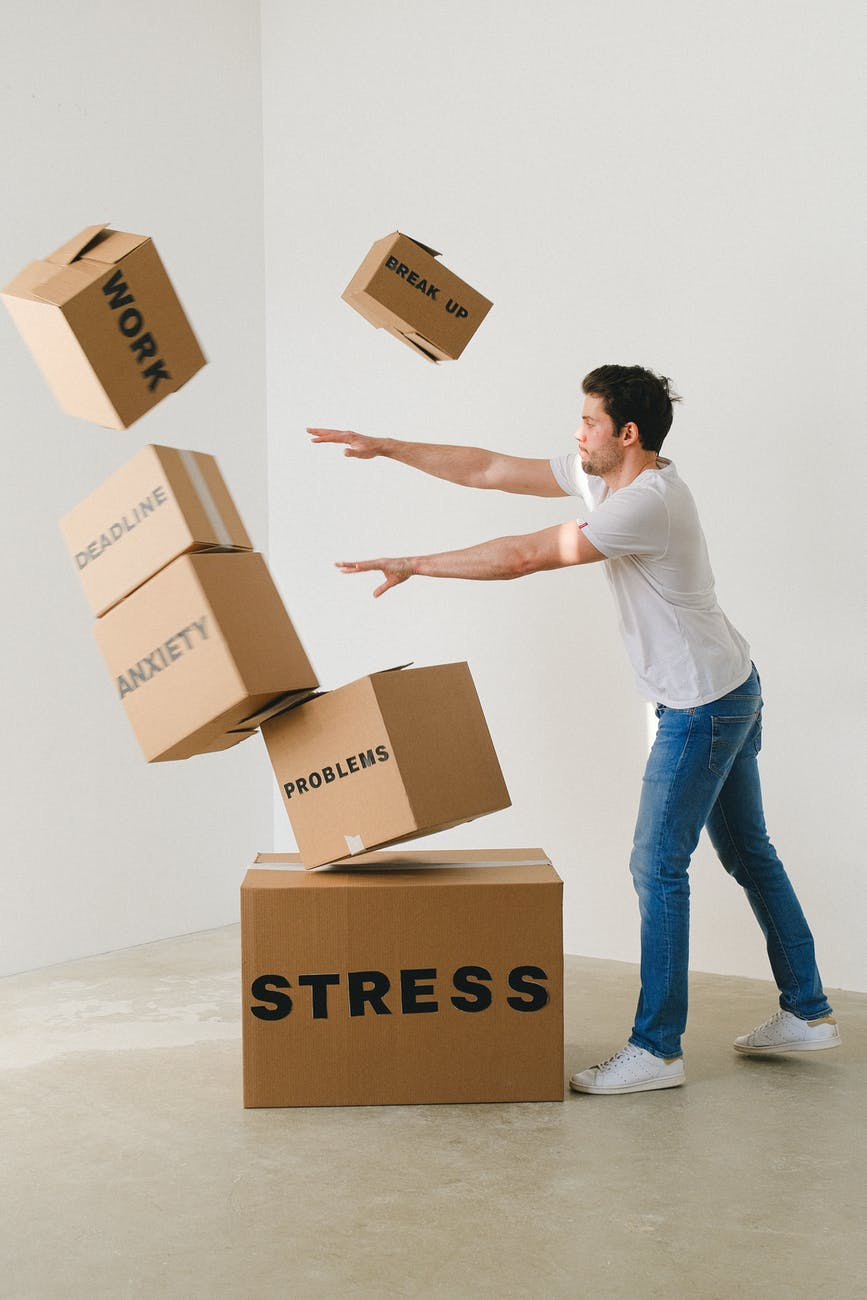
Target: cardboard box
{"points": [[198, 650], [428, 977], [161, 504], [105, 326], [401, 287], [397, 754]]}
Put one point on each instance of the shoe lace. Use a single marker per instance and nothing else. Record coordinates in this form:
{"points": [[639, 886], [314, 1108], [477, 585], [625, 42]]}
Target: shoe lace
{"points": [[622, 1055]]}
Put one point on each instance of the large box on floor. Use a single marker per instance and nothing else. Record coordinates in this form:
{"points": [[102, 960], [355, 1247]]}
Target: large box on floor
{"points": [[198, 650], [159, 505], [424, 977], [105, 326], [401, 287], [397, 754]]}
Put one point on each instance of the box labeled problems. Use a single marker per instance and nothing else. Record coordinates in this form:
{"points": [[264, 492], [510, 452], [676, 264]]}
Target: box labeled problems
{"points": [[397, 754], [105, 326], [200, 649], [402, 287], [161, 504], [421, 978]]}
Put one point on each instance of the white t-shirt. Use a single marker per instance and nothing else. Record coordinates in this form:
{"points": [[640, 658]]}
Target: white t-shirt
{"points": [[683, 649]]}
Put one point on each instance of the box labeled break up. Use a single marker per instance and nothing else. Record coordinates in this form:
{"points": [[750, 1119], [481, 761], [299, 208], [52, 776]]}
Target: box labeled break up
{"points": [[105, 326], [401, 287], [198, 650], [397, 754], [161, 504], [423, 977]]}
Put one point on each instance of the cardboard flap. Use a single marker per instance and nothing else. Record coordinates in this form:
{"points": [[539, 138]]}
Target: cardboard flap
{"points": [[427, 248], [420, 344], [69, 281], [395, 668], [75, 247], [291, 700], [113, 247]]}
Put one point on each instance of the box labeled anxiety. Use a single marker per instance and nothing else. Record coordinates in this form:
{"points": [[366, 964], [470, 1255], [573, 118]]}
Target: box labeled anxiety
{"points": [[105, 326], [402, 287], [423, 977], [198, 650], [397, 754]]}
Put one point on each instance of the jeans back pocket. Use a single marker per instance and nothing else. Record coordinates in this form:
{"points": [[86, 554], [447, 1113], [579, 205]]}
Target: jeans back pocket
{"points": [[727, 739]]}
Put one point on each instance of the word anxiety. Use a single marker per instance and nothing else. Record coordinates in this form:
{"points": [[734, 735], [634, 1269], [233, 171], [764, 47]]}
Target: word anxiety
{"points": [[163, 656]]}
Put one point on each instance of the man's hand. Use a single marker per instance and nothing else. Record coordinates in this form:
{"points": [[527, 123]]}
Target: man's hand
{"points": [[394, 571], [356, 444]]}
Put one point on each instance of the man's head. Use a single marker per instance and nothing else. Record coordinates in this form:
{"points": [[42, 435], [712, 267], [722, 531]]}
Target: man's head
{"points": [[631, 395]]}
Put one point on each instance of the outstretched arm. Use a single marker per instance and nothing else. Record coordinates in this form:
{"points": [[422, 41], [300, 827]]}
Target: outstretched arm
{"points": [[466, 466], [504, 557]]}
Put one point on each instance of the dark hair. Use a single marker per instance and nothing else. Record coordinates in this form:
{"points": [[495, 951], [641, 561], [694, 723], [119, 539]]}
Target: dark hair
{"points": [[631, 394]]}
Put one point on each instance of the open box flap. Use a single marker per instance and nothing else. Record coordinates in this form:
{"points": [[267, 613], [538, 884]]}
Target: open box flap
{"points": [[75, 247], [97, 244], [290, 700], [296, 698], [427, 248]]}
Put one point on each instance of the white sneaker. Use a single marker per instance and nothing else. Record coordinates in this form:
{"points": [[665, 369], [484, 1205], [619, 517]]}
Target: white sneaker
{"points": [[630, 1070], [784, 1032]]}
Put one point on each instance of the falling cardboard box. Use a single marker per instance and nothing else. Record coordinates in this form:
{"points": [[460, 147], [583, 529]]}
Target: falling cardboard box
{"points": [[401, 287], [199, 650], [394, 755], [105, 326], [427, 977], [159, 505]]}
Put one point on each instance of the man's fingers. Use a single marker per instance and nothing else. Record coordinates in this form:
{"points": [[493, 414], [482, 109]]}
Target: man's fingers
{"points": [[331, 435], [394, 571]]}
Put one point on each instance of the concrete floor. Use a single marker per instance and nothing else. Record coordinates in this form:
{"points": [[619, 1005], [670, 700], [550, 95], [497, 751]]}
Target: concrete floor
{"points": [[128, 1168]]}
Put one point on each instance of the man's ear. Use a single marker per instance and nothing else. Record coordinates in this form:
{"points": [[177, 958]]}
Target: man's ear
{"points": [[629, 435]]}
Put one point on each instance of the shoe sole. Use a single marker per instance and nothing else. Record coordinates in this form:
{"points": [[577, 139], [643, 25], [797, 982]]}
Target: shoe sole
{"points": [[649, 1085], [748, 1050]]}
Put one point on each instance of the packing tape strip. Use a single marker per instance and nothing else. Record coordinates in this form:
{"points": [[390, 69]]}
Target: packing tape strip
{"points": [[197, 478], [354, 843]]}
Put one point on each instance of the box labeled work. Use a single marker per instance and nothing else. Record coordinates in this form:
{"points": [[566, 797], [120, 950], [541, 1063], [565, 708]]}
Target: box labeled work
{"points": [[198, 650], [161, 504], [424, 977], [393, 755], [105, 326], [401, 287]]}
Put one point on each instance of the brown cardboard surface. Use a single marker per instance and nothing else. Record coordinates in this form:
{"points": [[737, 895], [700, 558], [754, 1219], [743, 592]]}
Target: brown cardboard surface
{"points": [[403, 288], [421, 964], [391, 756], [105, 326], [156, 507], [199, 648]]}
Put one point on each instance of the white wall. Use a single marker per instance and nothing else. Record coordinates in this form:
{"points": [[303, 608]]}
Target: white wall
{"points": [[149, 118], [674, 184]]}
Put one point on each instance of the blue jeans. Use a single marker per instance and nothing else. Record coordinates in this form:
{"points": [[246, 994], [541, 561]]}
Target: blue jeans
{"points": [[703, 771]]}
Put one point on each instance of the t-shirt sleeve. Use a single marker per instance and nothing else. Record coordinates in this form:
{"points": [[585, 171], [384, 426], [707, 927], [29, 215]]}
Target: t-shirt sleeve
{"points": [[630, 522], [572, 479]]}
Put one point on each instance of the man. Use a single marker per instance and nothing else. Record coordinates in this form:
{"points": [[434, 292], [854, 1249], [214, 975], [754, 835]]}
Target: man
{"points": [[702, 770]]}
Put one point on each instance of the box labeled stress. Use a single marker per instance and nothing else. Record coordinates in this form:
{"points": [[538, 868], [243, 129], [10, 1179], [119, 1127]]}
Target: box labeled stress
{"points": [[423, 977]]}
